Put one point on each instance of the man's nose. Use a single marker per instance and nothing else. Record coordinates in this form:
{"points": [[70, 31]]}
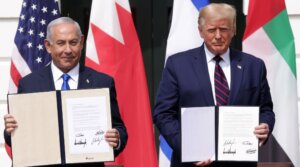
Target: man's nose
{"points": [[68, 48], [218, 34]]}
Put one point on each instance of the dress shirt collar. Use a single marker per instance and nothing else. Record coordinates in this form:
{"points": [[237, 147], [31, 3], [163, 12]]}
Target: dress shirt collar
{"points": [[57, 73], [210, 56]]}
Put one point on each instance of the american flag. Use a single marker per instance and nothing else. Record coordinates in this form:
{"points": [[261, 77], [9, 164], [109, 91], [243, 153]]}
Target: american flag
{"points": [[29, 53]]}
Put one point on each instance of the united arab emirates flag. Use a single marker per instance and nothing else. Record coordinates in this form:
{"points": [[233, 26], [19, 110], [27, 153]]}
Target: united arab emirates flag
{"points": [[268, 35]]}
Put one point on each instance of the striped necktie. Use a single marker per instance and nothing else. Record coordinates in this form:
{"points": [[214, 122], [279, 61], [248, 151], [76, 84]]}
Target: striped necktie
{"points": [[221, 86], [65, 85]]}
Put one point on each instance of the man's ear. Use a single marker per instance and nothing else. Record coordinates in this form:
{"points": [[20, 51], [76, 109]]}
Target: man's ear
{"points": [[47, 45], [200, 31], [82, 40]]}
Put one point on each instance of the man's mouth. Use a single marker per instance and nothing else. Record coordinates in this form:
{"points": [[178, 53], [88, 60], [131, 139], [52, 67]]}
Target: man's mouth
{"points": [[68, 58], [218, 44]]}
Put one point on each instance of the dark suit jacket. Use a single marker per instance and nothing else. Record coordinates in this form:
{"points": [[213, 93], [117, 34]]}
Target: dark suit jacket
{"points": [[186, 83], [42, 81]]}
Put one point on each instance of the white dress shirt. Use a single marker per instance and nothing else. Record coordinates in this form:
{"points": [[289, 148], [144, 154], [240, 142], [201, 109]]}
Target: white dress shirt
{"points": [[57, 77], [225, 65]]}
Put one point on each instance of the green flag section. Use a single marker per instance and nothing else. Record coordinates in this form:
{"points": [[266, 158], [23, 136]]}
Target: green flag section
{"points": [[268, 35]]}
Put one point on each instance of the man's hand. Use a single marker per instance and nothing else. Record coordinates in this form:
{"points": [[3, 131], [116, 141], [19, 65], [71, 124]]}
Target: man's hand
{"points": [[262, 132], [203, 163], [112, 136], [10, 123]]}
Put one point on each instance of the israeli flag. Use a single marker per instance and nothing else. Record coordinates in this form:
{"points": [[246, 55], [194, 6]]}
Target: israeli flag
{"points": [[183, 35]]}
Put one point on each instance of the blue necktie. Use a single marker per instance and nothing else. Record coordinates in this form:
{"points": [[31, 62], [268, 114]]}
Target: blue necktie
{"points": [[65, 85], [221, 86]]}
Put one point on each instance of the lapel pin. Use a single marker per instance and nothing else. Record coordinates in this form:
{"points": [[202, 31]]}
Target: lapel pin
{"points": [[87, 81], [239, 67]]}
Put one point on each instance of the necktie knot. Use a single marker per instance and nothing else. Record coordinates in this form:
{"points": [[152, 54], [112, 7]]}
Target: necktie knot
{"points": [[218, 59], [65, 85]]}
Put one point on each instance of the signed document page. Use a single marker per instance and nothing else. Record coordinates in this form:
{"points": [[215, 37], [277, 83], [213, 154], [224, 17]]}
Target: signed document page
{"points": [[54, 131], [87, 116], [36, 140], [237, 141], [198, 133]]}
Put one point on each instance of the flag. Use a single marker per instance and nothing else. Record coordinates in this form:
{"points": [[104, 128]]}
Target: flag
{"points": [[29, 53], [113, 48], [183, 35], [268, 35]]}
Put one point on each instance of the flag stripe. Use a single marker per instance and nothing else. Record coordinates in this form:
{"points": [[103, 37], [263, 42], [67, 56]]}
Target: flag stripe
{"points": [[165, 148], [29, 53], [284, 43], [199, 3], [268, 12], [19, 62], [113, 48], [12, 86], [283, 86], [15, 75], [278, 53], [183, 29]]}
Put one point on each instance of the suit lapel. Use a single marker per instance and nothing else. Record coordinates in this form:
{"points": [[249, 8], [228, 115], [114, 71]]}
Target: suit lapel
{"points": [[237, 69], [202, 75], [84, 80], [47, 78]]}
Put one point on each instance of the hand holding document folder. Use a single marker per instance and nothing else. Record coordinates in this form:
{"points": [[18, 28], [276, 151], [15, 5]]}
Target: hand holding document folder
{"points": [[61, 127], [219, 133]]}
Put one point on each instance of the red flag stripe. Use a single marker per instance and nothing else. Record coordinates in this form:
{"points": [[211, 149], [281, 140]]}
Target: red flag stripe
{"points": [[15, 75], [8, 150], [18, 69], [123, 61], [257, 21]]}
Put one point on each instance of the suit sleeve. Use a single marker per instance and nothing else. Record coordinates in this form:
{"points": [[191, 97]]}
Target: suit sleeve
{"points": [[116, 120], [166, 110], [266, 105]]}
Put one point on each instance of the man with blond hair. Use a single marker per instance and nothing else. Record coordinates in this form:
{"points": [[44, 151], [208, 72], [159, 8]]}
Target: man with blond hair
{"points": [[212, 74]]}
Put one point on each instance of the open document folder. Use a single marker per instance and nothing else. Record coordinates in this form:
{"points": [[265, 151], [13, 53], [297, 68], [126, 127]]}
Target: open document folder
{"points": [[219, 133], [61, 127]]}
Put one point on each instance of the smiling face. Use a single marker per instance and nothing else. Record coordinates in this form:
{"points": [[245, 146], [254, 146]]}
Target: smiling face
{"points": [[65, 46], [217, 28]]}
